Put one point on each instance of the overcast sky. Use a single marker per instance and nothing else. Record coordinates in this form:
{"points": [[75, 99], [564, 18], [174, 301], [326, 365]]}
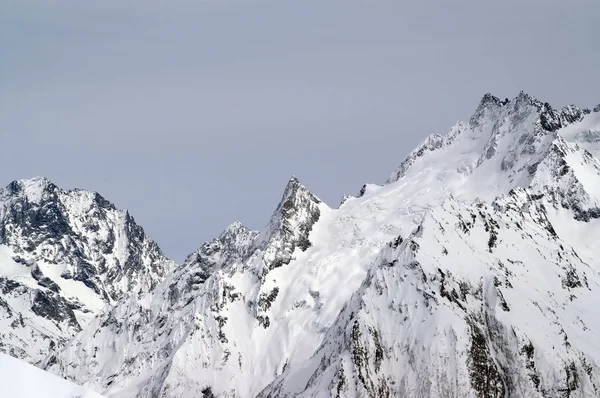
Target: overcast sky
{"points": [[194, 114]]}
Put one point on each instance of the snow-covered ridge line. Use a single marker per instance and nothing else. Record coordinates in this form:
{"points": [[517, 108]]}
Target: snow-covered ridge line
{"points": [[433, 284], [549, 121]]}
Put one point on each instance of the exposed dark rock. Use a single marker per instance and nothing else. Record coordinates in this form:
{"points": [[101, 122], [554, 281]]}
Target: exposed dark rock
{"points": [[266, 299], [362, 191], [486, 379], [40, 223], [528, 350], [264, 320], [571, 279], [207, 393], [42, 280], [572, 380], [55, 308]]}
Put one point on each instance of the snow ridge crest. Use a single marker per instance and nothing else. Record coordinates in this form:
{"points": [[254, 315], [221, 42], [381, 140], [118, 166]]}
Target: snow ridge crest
{"points": [[518, 126]]}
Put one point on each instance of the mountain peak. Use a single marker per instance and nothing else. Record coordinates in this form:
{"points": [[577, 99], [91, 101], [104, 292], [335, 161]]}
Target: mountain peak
{"points": [[523, 96], [295, 191], [293, 186], [83, 230], [489, 103], [290, 224], [234, 226], [34, 189], [293, 194], [237, 238], [35, 180], [489, 98]]}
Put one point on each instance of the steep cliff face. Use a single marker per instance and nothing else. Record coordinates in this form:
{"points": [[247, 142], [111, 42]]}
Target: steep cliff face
{"points": [[63, 256], [472, 272]]}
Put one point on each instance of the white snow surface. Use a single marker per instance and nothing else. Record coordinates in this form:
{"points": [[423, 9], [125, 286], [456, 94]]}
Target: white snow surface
{"points": [[472, 272], [22, 380]]}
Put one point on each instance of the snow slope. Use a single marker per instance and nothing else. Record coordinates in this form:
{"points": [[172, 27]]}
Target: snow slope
{"points": [[472, 272], [19, 379]]}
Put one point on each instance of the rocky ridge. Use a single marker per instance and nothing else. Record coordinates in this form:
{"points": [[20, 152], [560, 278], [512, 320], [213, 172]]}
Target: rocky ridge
{"points": [[64, 255]]}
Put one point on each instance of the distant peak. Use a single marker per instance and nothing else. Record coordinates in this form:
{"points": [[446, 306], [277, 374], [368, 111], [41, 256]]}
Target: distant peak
{"points": [[294, 189], [35, 179], [490, 99], [293, 182], [488, 103], [36, 182], [524, 96], [235, 233], [234, 228], [33, 188], [235, 225]]}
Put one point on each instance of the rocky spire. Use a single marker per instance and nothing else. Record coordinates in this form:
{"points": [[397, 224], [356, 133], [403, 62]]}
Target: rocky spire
{"points": [[290, 224]]}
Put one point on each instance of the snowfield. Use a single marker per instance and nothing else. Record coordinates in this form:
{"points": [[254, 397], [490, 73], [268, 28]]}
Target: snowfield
{"points": [[19, 379]]}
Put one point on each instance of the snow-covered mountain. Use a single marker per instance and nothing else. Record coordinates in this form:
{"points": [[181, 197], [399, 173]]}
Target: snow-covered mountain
{"points": [[63, 256], [472, 272]]}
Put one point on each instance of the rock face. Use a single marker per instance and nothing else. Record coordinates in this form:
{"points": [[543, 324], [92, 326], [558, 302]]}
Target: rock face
{"points": [[63, 256], [472, 272]]}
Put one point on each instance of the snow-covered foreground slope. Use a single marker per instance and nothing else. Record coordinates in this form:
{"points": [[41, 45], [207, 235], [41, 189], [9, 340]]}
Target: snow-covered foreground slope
{"points": [[64, 255], [19, 379], [472, 272]]}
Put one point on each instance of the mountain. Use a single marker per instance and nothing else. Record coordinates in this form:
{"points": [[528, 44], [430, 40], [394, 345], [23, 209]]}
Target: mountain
{"points": [[471, 272], [19, 379], [64, 255], [220, 293], [481, 300]]}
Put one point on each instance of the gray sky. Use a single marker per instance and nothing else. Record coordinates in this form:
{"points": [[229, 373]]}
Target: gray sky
{"points": [[195, 114]]}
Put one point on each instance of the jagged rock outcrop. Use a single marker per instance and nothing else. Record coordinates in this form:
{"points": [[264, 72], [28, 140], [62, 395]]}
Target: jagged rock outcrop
{"points": [[290, 226], [99, 245]]}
